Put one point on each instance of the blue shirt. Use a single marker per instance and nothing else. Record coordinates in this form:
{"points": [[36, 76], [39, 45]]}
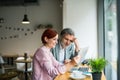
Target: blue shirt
{"points": [[69, 51]]}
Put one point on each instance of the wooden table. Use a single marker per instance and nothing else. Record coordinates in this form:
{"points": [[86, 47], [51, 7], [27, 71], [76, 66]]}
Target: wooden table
{"points": [[24, 61], [66, 76]]}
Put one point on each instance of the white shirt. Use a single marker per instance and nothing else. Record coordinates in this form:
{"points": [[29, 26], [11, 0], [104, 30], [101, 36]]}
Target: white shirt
{"points": [[61, 55]]}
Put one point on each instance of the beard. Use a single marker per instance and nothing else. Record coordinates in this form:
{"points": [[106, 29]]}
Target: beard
{"points": [[64, 45]]}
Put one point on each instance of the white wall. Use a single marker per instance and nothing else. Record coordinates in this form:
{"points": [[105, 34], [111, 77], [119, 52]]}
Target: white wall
{"points": [[81, 16], [47, 12]]}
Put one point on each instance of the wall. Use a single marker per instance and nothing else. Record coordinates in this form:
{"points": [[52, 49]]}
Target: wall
{"points": [[16, 38], [81, 16]]}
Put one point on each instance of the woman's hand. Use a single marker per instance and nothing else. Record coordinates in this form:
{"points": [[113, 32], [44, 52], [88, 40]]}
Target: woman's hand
{"points": [[71, 63], [67, 61]]}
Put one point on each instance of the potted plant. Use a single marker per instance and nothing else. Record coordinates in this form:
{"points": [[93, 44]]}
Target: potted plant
{"points": [[97, 65]]}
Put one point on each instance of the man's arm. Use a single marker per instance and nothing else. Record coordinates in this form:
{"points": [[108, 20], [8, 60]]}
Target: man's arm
{"points": [[77, 46]]}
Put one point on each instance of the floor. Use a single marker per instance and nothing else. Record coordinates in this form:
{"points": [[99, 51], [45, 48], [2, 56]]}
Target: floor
{"points": [[21, 76], [18, 75]]}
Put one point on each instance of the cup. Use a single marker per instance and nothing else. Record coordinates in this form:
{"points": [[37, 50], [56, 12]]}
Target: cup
{"points": [[77, 73]]}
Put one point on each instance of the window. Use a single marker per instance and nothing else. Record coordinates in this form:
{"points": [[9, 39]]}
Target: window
{"points": [[110, 38]]}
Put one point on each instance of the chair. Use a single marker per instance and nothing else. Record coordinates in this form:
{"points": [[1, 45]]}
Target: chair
{"points": [[4, 67], [21, 68], [6, 75], [2, 70], [1, 59]]}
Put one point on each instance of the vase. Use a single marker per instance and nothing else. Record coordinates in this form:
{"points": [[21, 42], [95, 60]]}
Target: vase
{"points": [[96, 76]]}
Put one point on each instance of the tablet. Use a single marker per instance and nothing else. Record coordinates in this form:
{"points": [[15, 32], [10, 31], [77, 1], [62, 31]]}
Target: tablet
{"points": [[82, 53]]}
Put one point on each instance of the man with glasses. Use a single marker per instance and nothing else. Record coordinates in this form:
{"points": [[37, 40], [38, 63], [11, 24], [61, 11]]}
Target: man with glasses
{"points": [[67, 46]]}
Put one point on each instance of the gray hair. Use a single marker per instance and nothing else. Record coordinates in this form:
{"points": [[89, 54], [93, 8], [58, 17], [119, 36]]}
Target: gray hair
{"points": [[67, 31]]}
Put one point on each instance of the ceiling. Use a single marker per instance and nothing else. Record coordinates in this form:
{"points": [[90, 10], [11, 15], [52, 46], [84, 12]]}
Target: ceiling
{"points": [[18, 2]]}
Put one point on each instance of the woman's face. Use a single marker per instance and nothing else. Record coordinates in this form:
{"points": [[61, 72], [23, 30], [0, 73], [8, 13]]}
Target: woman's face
{"points": [[51, 42]]}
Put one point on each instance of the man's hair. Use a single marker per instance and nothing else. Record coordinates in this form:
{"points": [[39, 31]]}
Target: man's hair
{"points": [[67, 31]]}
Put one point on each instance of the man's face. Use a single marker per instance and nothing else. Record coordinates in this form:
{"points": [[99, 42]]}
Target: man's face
{"points": [[67, 40]]}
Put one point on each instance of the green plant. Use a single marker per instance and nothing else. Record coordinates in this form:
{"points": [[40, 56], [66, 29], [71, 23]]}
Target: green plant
{"points": [[97, 65]]}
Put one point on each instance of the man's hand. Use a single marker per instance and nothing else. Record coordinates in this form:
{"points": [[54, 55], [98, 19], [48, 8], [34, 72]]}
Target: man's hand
{"points": [[77, 46], [77, 59]]}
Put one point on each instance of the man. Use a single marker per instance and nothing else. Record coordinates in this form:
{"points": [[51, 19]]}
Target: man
{"points": [[67, 46]]}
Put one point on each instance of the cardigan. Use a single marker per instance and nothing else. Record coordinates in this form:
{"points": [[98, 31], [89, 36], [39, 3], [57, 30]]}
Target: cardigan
{"points": [[45, 66]]}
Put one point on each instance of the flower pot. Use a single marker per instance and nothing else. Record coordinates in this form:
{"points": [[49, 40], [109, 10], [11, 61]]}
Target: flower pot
{"points": [[96, 76]]}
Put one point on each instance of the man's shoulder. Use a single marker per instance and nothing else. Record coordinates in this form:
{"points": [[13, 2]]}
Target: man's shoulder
{"points": [[71, 45]]}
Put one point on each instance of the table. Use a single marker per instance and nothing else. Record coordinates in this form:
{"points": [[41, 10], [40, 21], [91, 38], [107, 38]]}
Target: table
{"points": [[24, 61], [66, 76]]}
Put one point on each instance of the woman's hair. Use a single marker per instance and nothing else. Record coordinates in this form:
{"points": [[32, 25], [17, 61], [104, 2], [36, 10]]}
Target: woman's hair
{"points": [[67, 31], [49, 33]]}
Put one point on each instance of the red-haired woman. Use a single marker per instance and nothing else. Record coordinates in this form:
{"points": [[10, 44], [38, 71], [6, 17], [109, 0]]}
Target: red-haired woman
{"points": [[45, 66]]}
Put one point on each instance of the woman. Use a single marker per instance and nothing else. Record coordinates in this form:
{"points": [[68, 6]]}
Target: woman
{"points": [[45, 66]]}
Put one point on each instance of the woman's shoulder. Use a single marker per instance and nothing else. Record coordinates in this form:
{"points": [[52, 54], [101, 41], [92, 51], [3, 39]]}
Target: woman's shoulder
{"points": [[42, 49]]}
